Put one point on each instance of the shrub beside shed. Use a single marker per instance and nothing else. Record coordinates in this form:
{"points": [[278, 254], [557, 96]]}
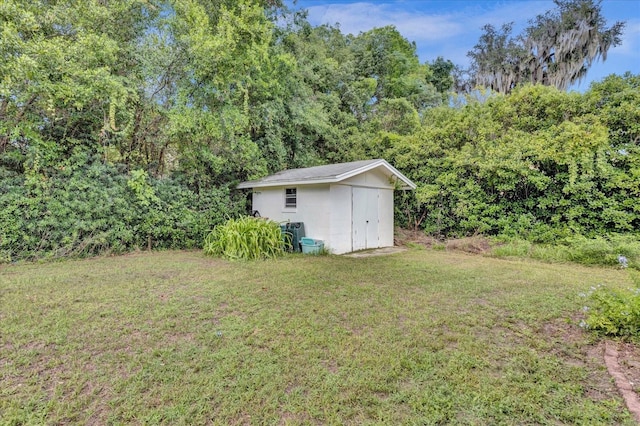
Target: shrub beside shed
{"points": [[348, 205]]}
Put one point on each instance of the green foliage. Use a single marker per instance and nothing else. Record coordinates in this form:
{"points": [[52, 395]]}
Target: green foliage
{"points": [[442, 75], [386, 56], [537, 164], [67, 71], [515, 248], [602, 251], [81, 206], [246, 238], [129, 124], [613, 312], [551, 253]]}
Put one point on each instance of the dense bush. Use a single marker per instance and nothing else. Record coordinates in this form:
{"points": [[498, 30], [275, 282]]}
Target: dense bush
{"points": [[613, 312], [539, 164], [246, 238], [82, 207], [587, 251], [605, 251]]}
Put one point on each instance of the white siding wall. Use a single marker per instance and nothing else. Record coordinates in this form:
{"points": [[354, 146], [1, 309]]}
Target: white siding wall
{"points": [[385, 216], [340, 236], [370, 179], [270, 203], [313, 208]]}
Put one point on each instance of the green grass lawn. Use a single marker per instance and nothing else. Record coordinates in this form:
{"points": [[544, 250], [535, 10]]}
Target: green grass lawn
{"points": [[421, 337]]}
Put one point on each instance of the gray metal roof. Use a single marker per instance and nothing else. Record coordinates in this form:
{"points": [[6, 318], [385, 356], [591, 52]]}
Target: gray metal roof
{"points": [[327, 174]]}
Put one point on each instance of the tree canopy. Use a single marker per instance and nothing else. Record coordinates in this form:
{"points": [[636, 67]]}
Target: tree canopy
{"points": [[556, 49], [129, 123]]}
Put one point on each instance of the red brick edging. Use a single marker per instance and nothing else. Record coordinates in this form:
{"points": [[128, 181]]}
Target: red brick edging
{"points": [[623, 385]]}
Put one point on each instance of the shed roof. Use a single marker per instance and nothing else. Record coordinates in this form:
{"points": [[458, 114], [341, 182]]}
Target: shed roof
{"points": [[332, 173]]}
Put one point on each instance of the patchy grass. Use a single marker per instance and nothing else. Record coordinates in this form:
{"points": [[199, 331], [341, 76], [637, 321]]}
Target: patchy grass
{"points": [[421, 337]]}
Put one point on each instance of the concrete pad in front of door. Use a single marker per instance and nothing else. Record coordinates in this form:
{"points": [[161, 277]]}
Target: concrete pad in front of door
{"points": [[377, 252]]}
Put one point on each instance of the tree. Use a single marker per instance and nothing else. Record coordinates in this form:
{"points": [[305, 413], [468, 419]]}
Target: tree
{"points": [[496, 59], [227, 60], [66, 75], [442, 75], [386, 56], [557, 49]]}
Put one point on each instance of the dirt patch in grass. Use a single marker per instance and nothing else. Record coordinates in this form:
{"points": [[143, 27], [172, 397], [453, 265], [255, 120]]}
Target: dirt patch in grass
{"points": [[331, 365], [629, 361], [601, 384], [287, 418], [403, 237], [475, 244], [561, 330]]}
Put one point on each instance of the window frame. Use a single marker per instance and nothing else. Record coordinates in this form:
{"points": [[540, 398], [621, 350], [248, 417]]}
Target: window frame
{"points": [[288, 196]]}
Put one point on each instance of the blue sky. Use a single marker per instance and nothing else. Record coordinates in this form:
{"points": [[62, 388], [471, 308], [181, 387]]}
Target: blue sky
{"points": [[451, 28]]}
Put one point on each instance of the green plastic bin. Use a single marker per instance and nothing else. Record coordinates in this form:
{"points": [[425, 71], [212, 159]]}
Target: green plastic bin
{"points": [[311, 246], [292, 232]]}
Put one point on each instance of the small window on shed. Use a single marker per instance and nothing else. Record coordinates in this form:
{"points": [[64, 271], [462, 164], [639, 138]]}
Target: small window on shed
{"points": [[290, 197]]}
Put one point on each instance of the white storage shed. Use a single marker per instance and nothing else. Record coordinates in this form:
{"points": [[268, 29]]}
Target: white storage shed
{"points": [[348, 205]]}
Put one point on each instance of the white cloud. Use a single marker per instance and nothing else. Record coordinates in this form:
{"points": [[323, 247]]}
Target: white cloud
{"points": [[358, 17], [451, 34]]}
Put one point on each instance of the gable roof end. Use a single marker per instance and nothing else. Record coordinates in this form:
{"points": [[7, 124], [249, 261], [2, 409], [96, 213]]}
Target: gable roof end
{"points": [[332, 173]]}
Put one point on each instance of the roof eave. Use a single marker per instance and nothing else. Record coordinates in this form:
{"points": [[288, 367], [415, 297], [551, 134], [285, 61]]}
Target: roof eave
{"points": [[408, 184], [258, 184]]}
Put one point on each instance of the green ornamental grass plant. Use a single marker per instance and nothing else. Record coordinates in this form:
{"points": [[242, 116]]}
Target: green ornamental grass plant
{"points": [[246, 238]]}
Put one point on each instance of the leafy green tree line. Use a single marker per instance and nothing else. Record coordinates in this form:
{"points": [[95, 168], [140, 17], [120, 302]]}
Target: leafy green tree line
{"points": [[539, 164], [128, 123]]}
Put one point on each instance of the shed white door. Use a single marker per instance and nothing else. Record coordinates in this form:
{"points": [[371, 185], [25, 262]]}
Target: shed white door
{"points": [[364, 205]]}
